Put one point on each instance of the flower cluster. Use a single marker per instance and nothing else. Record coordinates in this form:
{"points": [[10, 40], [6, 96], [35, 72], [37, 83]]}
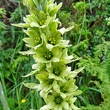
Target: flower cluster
{"points": [[50, 53]]}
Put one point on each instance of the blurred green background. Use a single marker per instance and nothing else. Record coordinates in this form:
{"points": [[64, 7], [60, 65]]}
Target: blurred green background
{"points": [[90, 39]]}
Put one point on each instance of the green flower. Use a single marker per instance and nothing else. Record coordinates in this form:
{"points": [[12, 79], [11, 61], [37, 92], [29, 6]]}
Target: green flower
{"points": [[32, 20], [40, 21], [36, 21], [56, 102], [64, 58], [46, 84], [38, 67], [71, 101], [31, 85], [31, 6], [56, 83], [34, 40], [28, 52], [58, 71], [74, 73], [35, 6], [45, 107], [54, 39], [67, 103], [44, 55], [63, 30], [68, 89], [51, 8]]}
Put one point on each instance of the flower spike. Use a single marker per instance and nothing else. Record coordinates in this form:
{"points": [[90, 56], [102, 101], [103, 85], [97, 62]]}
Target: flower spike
{"points": [[46, 44]]}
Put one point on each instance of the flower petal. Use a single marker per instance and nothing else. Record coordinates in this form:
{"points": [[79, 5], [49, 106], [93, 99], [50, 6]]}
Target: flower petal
{"points": [[31, 85], [65, 105]]}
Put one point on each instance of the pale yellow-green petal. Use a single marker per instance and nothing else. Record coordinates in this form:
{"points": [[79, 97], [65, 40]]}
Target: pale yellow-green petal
{"points": [[31, 85], [65, 105]]}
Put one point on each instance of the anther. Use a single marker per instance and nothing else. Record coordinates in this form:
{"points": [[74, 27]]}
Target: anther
{"points": [[35, 41], [40, 23]]}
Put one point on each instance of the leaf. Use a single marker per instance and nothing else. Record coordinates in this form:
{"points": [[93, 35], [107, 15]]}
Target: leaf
{"points": [[2, 25], [94, 89]]}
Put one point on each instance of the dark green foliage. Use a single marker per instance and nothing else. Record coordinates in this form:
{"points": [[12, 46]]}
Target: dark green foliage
{"points": [[91, 41]]}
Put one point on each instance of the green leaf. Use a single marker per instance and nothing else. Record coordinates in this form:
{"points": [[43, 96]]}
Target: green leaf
{"points": [[95, 89]]}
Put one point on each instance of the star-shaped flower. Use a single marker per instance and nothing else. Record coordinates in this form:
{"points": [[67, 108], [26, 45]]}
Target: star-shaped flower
{"points": [[71, 101], [54, 39], [45, 82], [36, 21], [35, 6], [56, 102], [32, 20], [44, 55], [34, 40], [64, 58], [68, 89], [58, 71]]}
